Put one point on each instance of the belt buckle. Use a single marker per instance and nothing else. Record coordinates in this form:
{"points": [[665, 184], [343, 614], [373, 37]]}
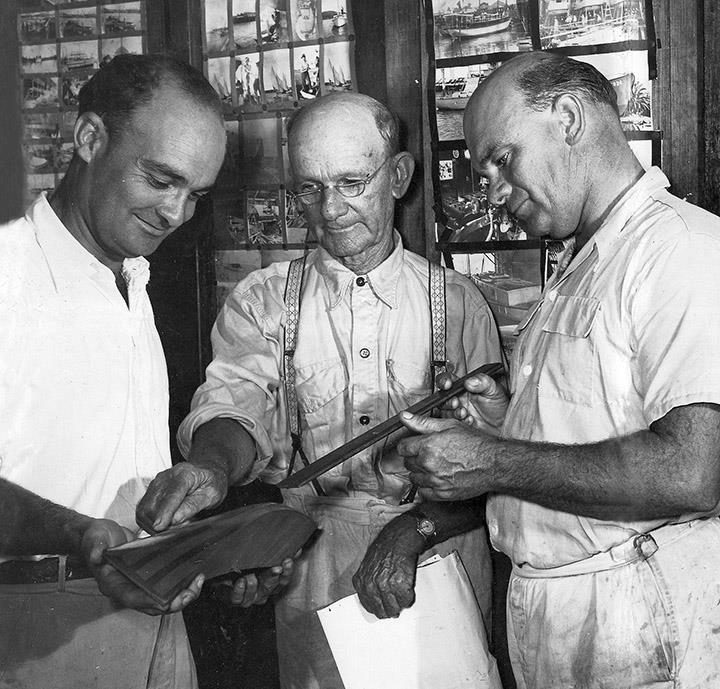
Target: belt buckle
{"points": [[645, 545]]}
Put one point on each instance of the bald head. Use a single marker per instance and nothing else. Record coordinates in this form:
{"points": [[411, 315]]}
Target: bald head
{"points": [[350, 107]]}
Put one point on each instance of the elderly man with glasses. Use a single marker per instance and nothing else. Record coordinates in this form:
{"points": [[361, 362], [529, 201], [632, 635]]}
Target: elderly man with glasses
{"points": [[312, 353]]}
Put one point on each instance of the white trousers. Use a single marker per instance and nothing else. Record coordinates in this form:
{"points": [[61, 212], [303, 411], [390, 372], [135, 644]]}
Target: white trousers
{"points": [[640, 616]]}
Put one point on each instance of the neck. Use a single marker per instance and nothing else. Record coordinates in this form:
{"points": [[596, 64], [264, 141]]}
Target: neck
{"points": [[615, 173], [363, 263], [70, 206]]}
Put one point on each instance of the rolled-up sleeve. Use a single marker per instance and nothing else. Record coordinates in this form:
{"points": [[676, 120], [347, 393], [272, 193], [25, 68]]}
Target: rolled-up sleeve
{"points": [[243, 381]]}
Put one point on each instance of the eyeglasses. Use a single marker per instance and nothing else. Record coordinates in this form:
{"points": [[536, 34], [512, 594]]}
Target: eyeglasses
{"points": [[310, 193]]}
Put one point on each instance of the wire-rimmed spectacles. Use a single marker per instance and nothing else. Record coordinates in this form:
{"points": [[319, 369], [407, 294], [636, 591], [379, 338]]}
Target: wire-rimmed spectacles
{"points": [[310, 193]]}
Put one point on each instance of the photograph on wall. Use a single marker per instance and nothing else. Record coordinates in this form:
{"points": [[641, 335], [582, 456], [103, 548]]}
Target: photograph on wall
{"points": [[218, 74], [217, 33], [274, 28], [480, 27], [263, 217], [67, 124], [45, 125], [335, 19], [244, 24], [78, 22], [628, 72], [120, 45], [591, 22], [259, 161], [120, 18], [469, 216], [337, 75], [39, 158], [230, 226], [248, 85], [304, 20], [70, 88], [37, 26], [277, 79], [39, 57], [453, 88], [229, 171], [306, 72], [37, 184], [296, 224], [64, 151], [39, 90], [78, 55]]}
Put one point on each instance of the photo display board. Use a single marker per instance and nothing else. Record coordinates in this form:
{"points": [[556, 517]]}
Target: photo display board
{"points": [[266, 59], [62, 44]]}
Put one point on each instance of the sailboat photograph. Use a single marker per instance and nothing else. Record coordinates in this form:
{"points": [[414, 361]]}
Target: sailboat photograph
{"points": [[465, 22], [474, 27]]}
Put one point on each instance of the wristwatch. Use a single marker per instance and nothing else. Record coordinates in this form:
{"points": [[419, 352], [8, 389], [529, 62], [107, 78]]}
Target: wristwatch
{"points": [[424, 526]]}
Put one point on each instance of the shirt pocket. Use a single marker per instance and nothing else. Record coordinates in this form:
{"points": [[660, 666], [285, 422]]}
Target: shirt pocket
{"points": [[407, 383], [321, 393], [569, 369]]}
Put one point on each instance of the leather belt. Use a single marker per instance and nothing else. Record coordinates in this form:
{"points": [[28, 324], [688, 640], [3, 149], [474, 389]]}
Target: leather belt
{"points": [[56, 569]]}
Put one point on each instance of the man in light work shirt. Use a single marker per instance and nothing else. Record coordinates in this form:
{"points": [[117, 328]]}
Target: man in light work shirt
{"points": [[604, 484], [362, 353]]}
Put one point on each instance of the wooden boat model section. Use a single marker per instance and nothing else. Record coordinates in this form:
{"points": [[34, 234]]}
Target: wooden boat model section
{"points": [[252, 537]]}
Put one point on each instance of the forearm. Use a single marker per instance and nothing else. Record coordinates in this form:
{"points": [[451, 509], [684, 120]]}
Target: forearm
{"points": [[223, 444], [32, 525], [665, 471]]}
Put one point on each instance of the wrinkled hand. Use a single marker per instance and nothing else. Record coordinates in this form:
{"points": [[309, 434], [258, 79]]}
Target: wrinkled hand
{"points": [[385, 580], [447, 460], [255, 588], [179, 493], [104, 533], [483, 406]]}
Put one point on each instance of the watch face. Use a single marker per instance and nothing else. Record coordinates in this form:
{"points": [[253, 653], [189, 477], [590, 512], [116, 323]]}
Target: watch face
{"points": [[426, 527]]}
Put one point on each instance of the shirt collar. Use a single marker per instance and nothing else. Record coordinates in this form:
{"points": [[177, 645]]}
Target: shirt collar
{"points": [[383, 279], [68, 260]]}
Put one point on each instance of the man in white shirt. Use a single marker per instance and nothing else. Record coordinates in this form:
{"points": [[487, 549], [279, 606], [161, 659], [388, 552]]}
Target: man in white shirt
{"points": [[604, 485], [83, 383], [363, 352]]}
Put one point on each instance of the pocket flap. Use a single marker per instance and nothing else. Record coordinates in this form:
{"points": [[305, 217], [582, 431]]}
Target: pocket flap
{"points": [[572, 316]]}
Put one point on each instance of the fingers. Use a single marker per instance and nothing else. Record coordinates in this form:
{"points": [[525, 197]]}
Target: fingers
{"points": [[188, 595], [423, 425]]}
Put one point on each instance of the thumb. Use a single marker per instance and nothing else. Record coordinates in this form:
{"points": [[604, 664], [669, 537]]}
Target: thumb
{"points": [[426, 424]]}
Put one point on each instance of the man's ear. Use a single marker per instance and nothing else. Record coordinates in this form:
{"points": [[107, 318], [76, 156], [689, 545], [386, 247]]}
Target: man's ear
{"points": [[90, 135], [571, 115], [403, 166]]}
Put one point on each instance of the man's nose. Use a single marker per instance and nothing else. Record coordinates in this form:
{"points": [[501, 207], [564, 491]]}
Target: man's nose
{"points": [[175, 210], [332, 203], [498, 191]]}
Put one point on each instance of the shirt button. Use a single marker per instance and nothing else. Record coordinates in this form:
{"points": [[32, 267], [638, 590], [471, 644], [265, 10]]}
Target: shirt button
{"points": [[364, 352], [364, 420], [527, 369], [551, 296], [360, 282]]}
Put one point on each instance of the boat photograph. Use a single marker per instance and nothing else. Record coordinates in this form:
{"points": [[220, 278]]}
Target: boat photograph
{"points": [[335, 19], [473, 27], [586, 22]]}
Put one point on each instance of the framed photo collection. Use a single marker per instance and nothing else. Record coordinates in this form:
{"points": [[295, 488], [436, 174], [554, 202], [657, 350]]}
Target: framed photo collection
{"points": [[62, 44]]}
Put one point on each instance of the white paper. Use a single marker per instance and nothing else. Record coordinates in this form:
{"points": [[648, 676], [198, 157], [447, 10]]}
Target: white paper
{"points": [[438, 642]]}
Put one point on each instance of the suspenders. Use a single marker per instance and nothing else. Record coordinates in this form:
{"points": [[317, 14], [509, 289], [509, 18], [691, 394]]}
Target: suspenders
{"points": [[293, 292]]}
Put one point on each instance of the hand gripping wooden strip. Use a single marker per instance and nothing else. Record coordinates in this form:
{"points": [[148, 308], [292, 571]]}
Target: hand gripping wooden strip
{"points": [[382, 430]]}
